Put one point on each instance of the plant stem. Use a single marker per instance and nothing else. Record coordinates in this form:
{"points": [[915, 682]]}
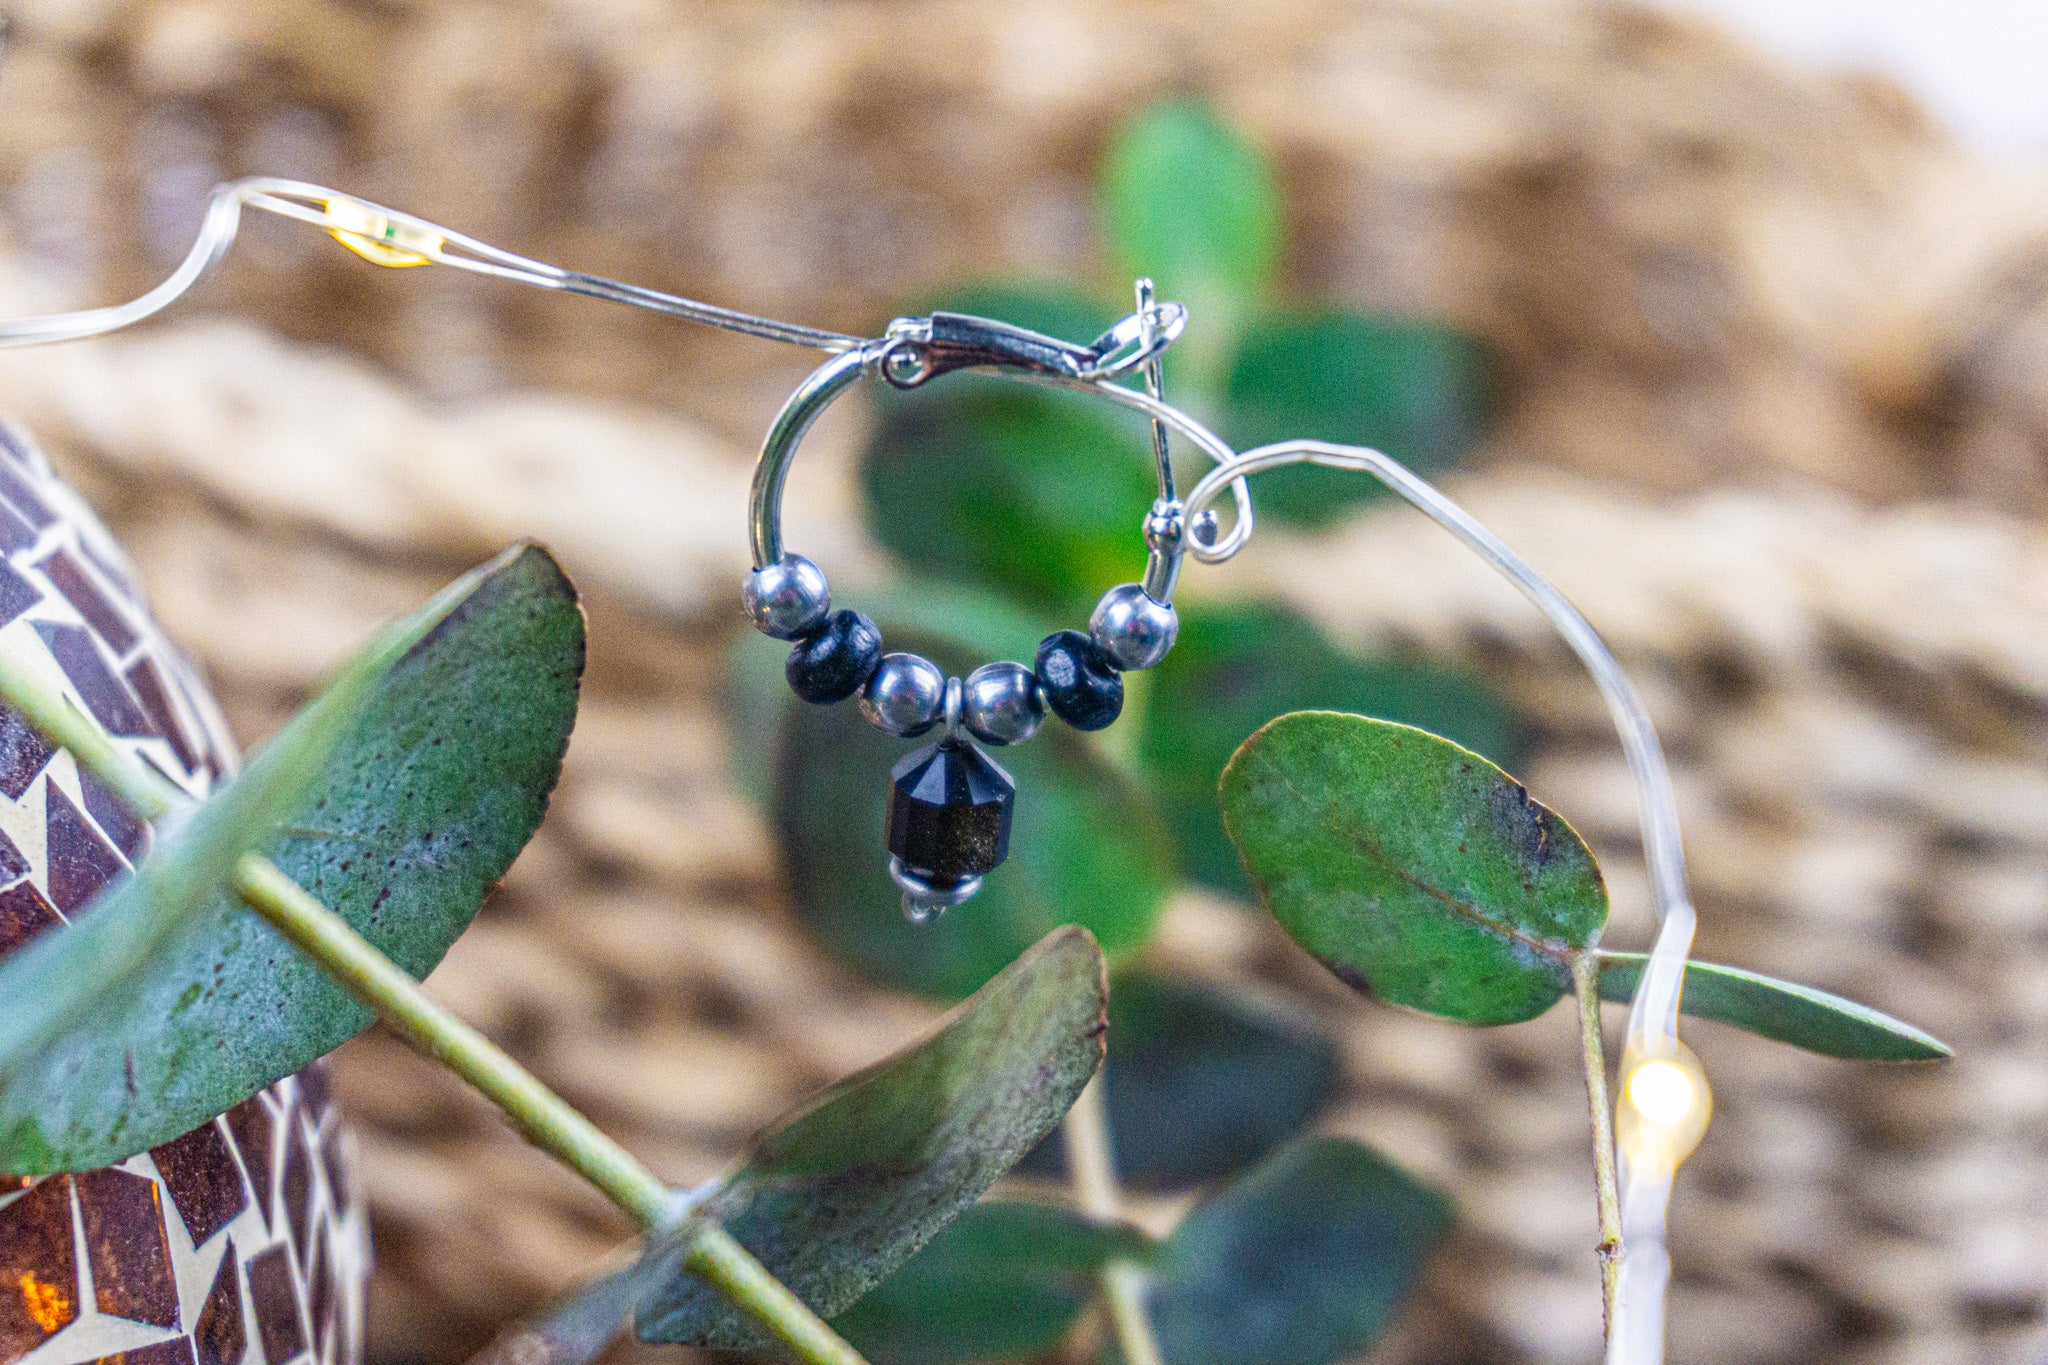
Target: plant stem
{"points": [[1092, 1165], [543, 1117], [720, 1261], [1586, 986], [374, 980]]}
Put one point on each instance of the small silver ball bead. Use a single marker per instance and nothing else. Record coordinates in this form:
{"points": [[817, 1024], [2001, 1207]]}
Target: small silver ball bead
{"points": [[906, 696], [1000, 704], [1132, 629], [787, 598]]}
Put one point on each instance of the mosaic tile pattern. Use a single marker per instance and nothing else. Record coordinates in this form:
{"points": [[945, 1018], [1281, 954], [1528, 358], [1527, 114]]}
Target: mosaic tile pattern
{"points": [[241, 1242]]}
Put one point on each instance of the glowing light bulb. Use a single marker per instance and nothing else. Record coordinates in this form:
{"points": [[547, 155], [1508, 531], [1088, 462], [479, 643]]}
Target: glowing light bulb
{"points": [[379, 238], [1665, 1105]]}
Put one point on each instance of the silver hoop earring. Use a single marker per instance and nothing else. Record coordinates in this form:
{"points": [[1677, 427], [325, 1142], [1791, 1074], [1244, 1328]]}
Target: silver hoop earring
{"points": [[950, 803]]}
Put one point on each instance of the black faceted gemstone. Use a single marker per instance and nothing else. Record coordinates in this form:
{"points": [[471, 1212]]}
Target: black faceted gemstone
{"points": [[949, 812], [836, 659], [1080, 682]]}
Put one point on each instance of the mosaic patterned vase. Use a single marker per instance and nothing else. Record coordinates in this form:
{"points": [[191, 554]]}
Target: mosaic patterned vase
{"points": [[242, 1242]]}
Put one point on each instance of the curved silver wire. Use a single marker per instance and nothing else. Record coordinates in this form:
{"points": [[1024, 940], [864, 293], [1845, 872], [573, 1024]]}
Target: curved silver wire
{"points": [[407, 234]]}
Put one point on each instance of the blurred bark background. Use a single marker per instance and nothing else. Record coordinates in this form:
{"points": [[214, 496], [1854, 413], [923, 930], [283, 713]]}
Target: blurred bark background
{"points": [[1776, 414]]}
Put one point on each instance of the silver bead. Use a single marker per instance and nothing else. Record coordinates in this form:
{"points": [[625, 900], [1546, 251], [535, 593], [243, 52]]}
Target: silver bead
{"points": [[1000, 704], [1133, 629], [924, 900], [787, 598], [905, 696]]}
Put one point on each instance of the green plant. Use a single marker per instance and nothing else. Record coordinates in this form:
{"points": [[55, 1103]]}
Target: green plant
{"points": [[299, 904], [1415, 869]]}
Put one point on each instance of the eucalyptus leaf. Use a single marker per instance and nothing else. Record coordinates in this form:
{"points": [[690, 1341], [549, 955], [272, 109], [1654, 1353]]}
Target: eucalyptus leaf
{"points": [[1187, 200], [91, 967], [1410, 866], [1237, 665], [1086, 847], [1303, 1262], [1003, 1281], [418, 811], [1203, 1079], [835, 1197], [980, 483], [1780, 1010], [1417, 390]]}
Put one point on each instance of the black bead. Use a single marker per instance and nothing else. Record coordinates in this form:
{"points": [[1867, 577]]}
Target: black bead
{"points": [[836, 659], [1081, 685], [949, 812]]}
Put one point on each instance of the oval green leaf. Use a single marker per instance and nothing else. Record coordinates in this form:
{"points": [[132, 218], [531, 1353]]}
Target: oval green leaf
{"points": [[1410, 866], [1003, 1281], [1303, 1262], [837, 1196], [1782, 1011], [1203, 1079], [92, 968], [977, 483], [1086, 846], [1417, 390], [438, 782], [1236, 666], [1187, 200]]}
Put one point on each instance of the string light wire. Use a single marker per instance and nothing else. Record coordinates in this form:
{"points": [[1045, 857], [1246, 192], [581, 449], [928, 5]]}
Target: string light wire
{"points": [[1664, 1101]]}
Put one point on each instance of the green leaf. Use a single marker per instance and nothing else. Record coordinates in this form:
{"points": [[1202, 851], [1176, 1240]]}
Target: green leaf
{"points": [[1780, 1010], [1203, 1079], [837, 1196], [1413, 868], [978, 484], [91, 968], [1237, 666], [1085, 845], [1302, 1262], [1003, 1281], [1190, 202], [1414, 389], [437, 784]]}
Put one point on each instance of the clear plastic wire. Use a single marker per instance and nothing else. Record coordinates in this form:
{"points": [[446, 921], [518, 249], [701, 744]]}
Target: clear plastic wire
{"points": [[390, 237], [404, 239]]}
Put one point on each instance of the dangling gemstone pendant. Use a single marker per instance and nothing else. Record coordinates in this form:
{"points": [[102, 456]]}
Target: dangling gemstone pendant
{"points": [[949, 822]]}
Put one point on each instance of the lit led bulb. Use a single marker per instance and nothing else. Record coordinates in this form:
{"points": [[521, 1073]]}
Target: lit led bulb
{"points": [[377, 237], [1665, 1105]]}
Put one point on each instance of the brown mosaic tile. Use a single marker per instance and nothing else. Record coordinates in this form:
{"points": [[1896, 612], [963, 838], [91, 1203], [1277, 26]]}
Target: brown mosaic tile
{"points": [[334, 1163], [177, 1351], [16, 535], [23, 499], [17, 594], [320, 1300], [113, 817], [280, 1325], [113, 573], [255, 1131], [80, 861], [147, 682], [222, 1338], [81, 592], [23, 754], [38, 1268], [23, 914], [298, 1187], [106, 696], [127, 1246], [204, 1183]]}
